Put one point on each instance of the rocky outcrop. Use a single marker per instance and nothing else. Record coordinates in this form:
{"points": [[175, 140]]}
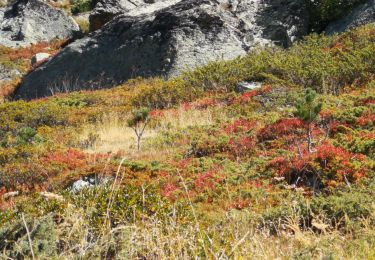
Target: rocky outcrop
{"points": [[361, 15], [106, 10], [31, 21], [185, 35]]}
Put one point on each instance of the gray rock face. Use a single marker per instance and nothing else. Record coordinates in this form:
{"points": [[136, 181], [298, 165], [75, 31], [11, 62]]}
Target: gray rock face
{"points": [[106, 10], [7, 74], [361, 15], [185, 35], [31, 21]]}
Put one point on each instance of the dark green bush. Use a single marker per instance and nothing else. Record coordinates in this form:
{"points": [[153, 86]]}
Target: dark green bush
{"points": [[81, 6], [324, 11], [27, 135]]}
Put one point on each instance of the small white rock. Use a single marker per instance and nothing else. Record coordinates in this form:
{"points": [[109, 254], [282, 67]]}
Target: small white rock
{"points": [[51, 196], [39, 57], [247, 86], [80, 185], [11, 195]]}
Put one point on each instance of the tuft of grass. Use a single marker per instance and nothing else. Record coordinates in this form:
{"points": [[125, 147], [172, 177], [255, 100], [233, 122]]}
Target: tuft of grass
{"points": [[84, 24]]}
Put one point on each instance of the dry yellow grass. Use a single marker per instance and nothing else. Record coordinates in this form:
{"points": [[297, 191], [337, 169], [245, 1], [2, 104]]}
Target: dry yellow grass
{"points": [[151, 239], [112, 134], [181, 118]]}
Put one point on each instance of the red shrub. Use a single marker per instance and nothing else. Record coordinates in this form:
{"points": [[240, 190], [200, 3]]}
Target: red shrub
{"points": [[240, 125], [70, 159], [290, 167], [366, 101], [182, 164], [23, 176], [204, 103], [207, 180], [242, 145], [366, 120], [329, 162], [186, 106], [239, 204], [156, 113], [168, 190], [281, 128], [248, 96]]}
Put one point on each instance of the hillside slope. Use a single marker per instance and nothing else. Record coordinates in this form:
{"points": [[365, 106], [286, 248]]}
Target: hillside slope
{"points": [[285, 170]]}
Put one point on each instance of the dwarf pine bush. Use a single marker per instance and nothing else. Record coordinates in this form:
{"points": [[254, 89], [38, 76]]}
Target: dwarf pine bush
{"points": [[325, 64]]}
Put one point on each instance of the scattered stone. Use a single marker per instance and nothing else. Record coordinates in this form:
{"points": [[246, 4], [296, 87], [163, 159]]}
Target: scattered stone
{"points": [[51, 196], [279, 179], [80, 185], [31, 21], [10, 195], [244, 86], [39, 57], [89, 182]]}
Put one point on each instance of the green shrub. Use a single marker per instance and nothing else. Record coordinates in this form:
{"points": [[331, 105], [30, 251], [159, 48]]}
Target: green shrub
{"points": [[42, 234], [81, 6], [27, 135], [206, 141], [16, 115], [345, 207], [326, 64], [342, 209], [158, 93], [129, 204]]}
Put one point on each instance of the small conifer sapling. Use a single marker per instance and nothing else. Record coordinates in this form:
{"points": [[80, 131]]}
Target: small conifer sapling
{"points": [[308, 110], [138, 122]]}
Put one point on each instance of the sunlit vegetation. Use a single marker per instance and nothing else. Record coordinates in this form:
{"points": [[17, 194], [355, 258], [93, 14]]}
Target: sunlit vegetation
{"points": [[286, 170], [19, 60]]}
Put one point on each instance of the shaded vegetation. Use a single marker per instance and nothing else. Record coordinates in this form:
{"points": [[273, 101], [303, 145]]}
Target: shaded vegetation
{"points": [[322, 12]]}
